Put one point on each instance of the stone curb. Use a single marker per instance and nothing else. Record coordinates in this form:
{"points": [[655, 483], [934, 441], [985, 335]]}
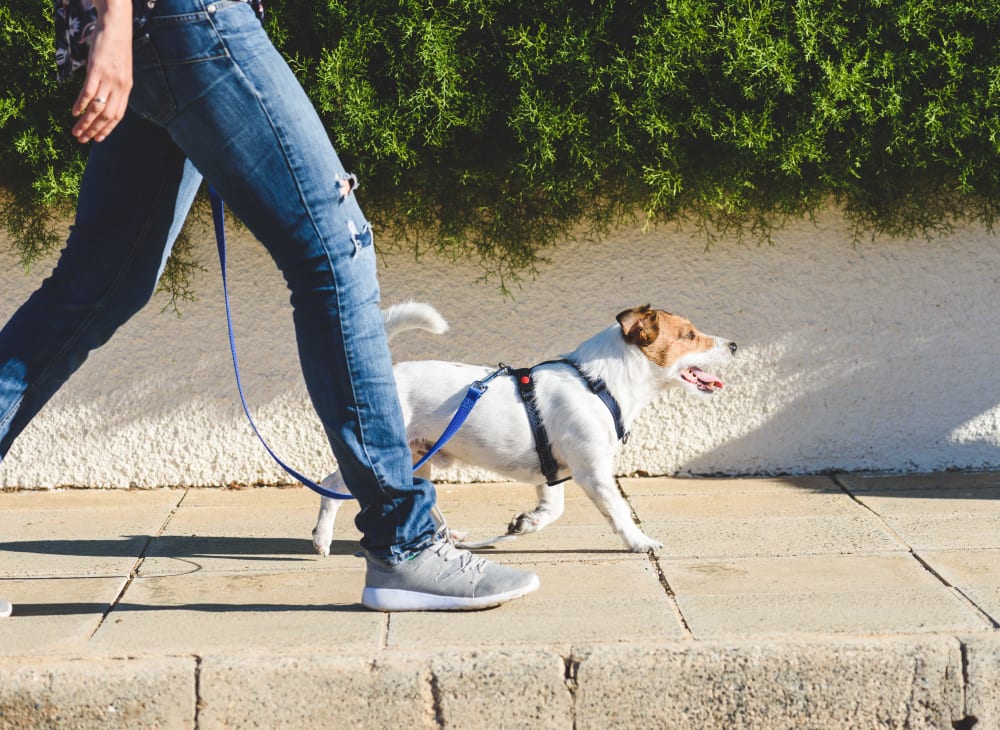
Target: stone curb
{"points": [[90, 693], [899, 682]]}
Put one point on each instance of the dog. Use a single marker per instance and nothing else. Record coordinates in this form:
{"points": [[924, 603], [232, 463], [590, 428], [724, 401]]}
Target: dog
{"points": [[644, 353]]}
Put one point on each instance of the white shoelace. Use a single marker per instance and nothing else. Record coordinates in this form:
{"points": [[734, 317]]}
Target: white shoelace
{"points": [[444, 545], [466, 561]]}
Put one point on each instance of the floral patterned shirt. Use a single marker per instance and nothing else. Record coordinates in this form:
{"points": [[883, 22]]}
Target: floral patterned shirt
{"points": [[76, 21]]}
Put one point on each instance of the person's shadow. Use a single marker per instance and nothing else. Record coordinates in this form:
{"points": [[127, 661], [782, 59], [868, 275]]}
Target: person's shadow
{"points": [[190, 550]]}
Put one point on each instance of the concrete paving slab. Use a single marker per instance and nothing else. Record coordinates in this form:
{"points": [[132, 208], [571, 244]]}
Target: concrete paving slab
{"points": [[81, 533], [488, 505], [98, 693], [268, 521], [585, 601], [484, 510], [491, 506], [860, 483], [949, 532], [698, 486], [208, 612], [560, 541], [257, 498], [833, 594], [746, 505], [947, 518], [248, 549], [769, 537], [976, 573], [243, 537], [854, 683], [132, 500], [950, 502], [54, 615], [761, 523]]}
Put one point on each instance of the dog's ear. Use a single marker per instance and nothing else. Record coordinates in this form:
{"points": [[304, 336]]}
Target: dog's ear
{"points": [[639, 325]]}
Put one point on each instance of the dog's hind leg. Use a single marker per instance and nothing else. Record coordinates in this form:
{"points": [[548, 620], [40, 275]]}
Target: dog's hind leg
{"points": [[322, 534], [550, 508]]}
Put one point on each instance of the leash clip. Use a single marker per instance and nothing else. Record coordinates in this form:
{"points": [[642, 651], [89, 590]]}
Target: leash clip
{"points": [[480, 385]]}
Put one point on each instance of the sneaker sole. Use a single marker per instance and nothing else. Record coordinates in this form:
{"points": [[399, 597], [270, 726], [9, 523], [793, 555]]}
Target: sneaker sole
{"points": [[393, 599]]}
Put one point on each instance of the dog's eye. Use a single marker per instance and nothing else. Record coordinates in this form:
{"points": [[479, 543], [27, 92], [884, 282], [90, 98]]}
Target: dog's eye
{"points": [[689, 336]]}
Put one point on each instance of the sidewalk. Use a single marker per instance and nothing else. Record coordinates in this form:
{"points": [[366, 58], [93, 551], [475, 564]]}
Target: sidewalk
{"points": [[810, 602]]}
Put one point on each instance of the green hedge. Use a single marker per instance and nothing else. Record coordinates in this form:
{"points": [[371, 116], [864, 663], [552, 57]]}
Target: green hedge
{"points": [[489, 128]]}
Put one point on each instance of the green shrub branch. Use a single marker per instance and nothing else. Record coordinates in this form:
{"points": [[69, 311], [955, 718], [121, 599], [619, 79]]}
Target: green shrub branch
{"points": [[491, 128]]}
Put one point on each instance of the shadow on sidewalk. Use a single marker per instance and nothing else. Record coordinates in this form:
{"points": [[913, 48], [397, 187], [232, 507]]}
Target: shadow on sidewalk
{"points": [[29, 610], [271, 549]]}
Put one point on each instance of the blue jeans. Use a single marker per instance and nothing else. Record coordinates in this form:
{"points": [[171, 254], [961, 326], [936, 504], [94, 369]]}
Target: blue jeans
{"points": [[212, 97]]}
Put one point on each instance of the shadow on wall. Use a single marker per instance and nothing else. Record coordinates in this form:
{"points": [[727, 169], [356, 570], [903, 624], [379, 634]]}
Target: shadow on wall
{"points": [[865, 410]]}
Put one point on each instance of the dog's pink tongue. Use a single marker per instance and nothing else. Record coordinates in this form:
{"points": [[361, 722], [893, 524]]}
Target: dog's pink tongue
{"points": [[706, 378]]}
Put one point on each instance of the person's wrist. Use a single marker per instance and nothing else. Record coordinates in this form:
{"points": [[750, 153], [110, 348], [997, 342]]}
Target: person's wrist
{"points": [[113, 11]]}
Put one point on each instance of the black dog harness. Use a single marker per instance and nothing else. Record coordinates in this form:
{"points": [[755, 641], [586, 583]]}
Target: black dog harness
{"points": [[526, 387]]}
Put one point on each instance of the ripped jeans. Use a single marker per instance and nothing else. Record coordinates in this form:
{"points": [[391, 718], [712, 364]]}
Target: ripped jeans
{"points": [[213, 98]]}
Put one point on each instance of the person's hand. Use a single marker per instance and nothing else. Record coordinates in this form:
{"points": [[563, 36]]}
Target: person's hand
{"points": [[104, 97]]}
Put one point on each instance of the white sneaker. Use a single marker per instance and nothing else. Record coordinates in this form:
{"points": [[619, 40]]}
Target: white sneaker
{"points": [[6, 608], [443, 578]]}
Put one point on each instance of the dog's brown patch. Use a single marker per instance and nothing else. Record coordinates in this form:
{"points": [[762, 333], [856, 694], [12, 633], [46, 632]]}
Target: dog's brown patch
{"points": [[663, 337]]}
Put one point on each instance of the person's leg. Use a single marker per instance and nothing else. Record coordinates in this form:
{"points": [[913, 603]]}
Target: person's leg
{"points": [[238, 112], [134, 195], [241, 117]]}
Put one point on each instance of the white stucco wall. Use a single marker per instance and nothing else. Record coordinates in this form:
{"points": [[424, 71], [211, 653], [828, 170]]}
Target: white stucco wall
{"points": [[881, 356]]}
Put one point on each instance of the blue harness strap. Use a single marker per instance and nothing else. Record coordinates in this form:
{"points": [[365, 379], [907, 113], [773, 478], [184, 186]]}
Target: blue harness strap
{"points": [[599, 388], [472, 397]]}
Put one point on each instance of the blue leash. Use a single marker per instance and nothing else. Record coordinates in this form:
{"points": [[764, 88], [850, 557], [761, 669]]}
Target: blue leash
{"points": [[472, 397], [476, 390], [218, 218]]}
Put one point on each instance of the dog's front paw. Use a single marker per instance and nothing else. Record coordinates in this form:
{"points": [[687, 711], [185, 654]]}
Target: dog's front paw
{"points": [[643, 544]]}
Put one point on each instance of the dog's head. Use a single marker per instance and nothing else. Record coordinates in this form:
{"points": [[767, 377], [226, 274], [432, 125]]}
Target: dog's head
{"points": [[673, 343]]}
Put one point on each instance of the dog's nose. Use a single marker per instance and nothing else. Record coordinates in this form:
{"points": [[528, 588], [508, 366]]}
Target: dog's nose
{"points": [[732, 347]]}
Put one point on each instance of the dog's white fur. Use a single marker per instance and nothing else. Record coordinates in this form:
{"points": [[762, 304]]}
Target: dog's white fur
{"points": [[644, 353]]}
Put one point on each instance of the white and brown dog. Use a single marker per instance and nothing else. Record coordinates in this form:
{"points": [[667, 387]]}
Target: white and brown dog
{"points": [[647, 351]]}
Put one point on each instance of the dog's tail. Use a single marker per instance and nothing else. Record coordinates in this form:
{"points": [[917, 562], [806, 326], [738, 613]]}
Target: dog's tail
{"points": [[413, 316]]}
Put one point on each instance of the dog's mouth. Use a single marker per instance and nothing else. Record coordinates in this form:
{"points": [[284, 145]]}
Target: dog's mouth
{"points": [[705, 382]]}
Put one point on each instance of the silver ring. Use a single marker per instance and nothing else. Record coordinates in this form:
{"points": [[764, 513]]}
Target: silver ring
{"points": [[100, 100]]}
